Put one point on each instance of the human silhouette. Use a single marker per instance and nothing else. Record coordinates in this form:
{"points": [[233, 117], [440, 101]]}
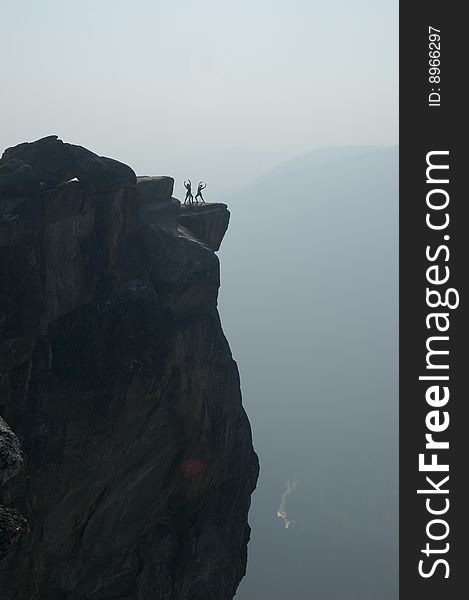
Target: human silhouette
{"points": [[189, 199], [200, 187]]}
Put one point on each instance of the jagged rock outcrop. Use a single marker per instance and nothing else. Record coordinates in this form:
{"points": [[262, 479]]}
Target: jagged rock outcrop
{"points": [[11, 459], [208, 222], [12, 524], [120, 385], [48, 162]]}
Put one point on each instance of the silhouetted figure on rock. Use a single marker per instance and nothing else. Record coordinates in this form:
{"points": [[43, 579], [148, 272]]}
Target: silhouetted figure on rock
{"points": [[200, 187], [189, 199]]}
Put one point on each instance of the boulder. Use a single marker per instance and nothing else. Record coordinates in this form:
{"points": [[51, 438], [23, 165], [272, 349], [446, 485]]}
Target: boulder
{"points": [[49, 162]]}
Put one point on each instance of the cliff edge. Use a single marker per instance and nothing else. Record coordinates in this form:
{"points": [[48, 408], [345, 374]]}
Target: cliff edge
{"points": [[117, 379]]}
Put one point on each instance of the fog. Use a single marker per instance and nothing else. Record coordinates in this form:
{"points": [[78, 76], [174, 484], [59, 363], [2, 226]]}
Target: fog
{"points": [[200, 89], [226, 92], [309, 302]]}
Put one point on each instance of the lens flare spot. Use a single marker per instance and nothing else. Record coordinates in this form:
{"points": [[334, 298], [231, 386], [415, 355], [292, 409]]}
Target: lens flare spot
{"points": [[192, 466]]}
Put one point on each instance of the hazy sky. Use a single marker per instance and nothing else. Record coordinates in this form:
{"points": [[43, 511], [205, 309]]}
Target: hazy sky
{"points": [[210, 89]]}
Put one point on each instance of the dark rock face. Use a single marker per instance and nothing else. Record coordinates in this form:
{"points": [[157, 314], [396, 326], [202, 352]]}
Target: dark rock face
{"points": [[208, 222], [118, 381], [12, 524], [12, 527], [11, 459], [46, 163]]}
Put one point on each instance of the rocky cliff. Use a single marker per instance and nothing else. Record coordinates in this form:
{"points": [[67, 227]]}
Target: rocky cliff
{"points": [[12, 524], [118, 381]]}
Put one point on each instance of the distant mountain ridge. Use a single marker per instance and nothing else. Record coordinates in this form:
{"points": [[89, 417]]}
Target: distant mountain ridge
{"points": [[318, 158]]}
